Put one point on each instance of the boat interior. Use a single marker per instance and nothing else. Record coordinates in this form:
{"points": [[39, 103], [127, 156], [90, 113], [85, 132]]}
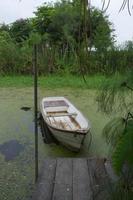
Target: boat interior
{"points": [[58, 115]]}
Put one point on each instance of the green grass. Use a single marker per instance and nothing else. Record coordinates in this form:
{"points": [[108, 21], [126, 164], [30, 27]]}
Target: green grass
{"points": [[55, 81]]}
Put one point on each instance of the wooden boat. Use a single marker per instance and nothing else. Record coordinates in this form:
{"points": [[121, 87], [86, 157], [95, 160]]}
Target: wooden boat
{"points": [[65, 122]]}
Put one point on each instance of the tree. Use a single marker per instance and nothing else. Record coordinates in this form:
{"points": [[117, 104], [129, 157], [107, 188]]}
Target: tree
{"points": [[128, 45], [63, 24], [125, 3], [102, 36], [20, 30], [64, 18], [4, 27], [43, 17]]}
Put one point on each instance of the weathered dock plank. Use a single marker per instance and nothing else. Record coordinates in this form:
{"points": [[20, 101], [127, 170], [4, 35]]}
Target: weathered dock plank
{"points": [[63, 180], [81, 180], [45, 184], [73, 179]]}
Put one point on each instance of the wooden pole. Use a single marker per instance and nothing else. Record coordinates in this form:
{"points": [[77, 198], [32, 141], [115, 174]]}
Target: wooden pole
{"points": [[35, 109]]}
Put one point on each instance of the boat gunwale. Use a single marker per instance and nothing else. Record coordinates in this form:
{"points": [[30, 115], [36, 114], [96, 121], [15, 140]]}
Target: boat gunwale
{"points": [[78, 132]]}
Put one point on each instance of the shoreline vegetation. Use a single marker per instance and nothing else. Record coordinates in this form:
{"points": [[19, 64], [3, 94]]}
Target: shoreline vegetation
{"points": [[58, 81], [66, 42]]}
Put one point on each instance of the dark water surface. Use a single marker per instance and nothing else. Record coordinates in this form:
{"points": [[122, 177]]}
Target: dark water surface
{"points": [[17, 137], [11, 149], [25, 108]]}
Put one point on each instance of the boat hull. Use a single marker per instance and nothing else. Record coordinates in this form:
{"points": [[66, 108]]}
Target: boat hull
{"points": [[72, 140]]}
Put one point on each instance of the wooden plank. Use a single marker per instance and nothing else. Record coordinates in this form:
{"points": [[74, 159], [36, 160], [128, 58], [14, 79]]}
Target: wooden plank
{"points": [[70, 123], [58, 114], [45, 184], [99, 179], [63, 180], [75, 123], [67, 124], [81, 180], [54, 119], [49, 120], [55, 103], [73, 179]]}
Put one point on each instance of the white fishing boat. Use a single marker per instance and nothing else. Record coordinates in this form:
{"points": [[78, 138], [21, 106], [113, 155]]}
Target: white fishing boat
{"points": [[65, 122]]}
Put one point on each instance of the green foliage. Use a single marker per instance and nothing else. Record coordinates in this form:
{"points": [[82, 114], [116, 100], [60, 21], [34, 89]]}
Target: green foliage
{"points": [[5, 36], [119, 191], [63, 23], [64, 19], [102, 37], [43, 18], [117, 94], [8, 54], [124, 149], [128, 46], [20, 30], [34, 38], [119, 133], [113, 131], [4, 27], [13, 58], [71, 39]]}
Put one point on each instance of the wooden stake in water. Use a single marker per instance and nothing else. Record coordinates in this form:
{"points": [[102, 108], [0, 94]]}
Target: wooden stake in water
{"points": [[35, 109]]}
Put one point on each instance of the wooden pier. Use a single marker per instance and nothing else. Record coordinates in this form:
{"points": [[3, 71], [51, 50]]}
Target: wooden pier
{"points": [[74, 179]]}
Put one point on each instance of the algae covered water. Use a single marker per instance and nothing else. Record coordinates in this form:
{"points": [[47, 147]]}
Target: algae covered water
{"points": [[17, 137]]}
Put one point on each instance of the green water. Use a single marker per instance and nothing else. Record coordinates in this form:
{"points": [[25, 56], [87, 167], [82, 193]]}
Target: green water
{"points": [[17, 175]]}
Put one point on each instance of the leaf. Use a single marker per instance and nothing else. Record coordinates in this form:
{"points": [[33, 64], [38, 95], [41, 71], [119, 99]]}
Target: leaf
{"points": [[123, 153], [114, 130]]}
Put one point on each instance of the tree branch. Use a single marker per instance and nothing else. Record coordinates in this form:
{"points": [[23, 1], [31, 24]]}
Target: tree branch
{"points": [[124, 4]]}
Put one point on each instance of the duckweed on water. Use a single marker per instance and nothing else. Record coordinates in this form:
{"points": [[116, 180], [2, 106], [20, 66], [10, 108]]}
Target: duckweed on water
{"points": [[17, 127]]}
